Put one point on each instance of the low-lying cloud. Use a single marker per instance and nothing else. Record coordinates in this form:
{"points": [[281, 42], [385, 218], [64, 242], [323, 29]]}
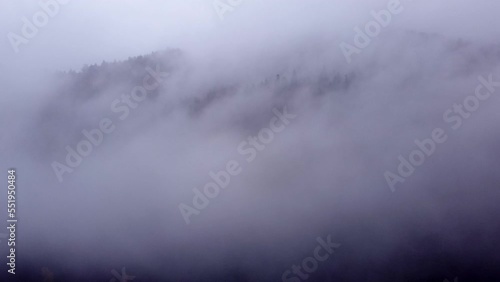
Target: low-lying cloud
{"points": [[322, 175]]}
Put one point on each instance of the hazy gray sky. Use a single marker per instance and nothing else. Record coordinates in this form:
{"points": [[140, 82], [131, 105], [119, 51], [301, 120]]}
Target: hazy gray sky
{"points": [[92, 31]]}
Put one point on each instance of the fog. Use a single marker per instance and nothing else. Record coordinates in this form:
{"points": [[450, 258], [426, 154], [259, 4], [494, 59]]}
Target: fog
{"points": [[339, 125]]}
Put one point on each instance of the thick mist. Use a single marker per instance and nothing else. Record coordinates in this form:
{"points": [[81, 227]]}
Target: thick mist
{"points": [[180, 92]]}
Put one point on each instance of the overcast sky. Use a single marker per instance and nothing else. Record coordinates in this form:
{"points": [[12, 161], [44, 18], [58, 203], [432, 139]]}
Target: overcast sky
{"points": [[91, 31]]}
